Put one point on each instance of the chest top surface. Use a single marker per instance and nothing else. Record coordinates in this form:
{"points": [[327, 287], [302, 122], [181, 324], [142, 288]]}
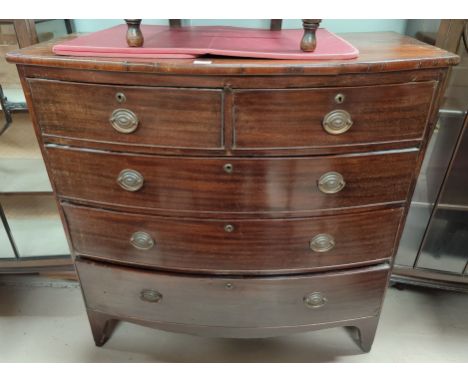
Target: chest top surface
{"points": [[379, 52]]}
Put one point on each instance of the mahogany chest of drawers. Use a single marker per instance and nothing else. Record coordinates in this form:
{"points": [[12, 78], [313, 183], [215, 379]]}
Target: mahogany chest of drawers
{"points": [[235, 198]]}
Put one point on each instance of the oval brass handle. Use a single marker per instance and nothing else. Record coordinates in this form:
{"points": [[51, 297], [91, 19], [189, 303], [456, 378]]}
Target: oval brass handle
{"points": [[331, 182], [142, 240], [337, 122], [124, 121], [130, 180], [323, 242], [314, 300], [150, 295]]}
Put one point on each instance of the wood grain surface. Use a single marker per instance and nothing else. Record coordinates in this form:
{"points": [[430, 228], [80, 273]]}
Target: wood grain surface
{"points": [[260, 246], [170, 117], [248, 302], [294, 118], [378, 52], [190, 184]]}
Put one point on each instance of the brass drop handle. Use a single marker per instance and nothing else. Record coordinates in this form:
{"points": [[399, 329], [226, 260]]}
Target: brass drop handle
{"points": [[331, 182], [142, 240], [124, 121], [337, 122], [323, 242], [150, 295], [130, 180], [314, 300]]}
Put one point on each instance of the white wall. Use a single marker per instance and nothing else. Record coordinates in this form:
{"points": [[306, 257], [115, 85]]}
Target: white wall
{"points": [[415, 26], [338, 26]]}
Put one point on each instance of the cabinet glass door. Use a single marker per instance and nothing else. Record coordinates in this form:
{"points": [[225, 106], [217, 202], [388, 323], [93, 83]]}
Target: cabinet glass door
{"points": [[445, 247]]}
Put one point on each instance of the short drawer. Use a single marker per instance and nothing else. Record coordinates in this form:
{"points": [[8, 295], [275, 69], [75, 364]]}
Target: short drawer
{"points": [[330, 117], [258, 246], [232, 185], [133, 115], [232, 302]]}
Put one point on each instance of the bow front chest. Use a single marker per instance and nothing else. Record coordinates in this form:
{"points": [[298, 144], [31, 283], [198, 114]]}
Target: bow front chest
{"points": [[235, 197]]}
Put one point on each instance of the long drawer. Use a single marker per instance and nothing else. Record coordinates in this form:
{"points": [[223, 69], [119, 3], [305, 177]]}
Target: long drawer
{"points": [[232, 185], [232, 302], [329, 117], [233, 246], [133, 115]]}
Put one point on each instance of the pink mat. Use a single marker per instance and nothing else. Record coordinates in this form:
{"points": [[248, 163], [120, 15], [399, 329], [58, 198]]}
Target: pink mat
{"points": [[192, 42]]}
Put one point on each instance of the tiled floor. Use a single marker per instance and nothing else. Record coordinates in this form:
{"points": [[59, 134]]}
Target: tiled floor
{"points": [[44, 323]]}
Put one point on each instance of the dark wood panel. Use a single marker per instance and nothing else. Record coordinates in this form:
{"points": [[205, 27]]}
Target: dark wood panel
{"points": [[378, 52], [266, 119], [254, 246], [234, 215], [254, 185], [450, 34], [175, 23], [272, 152], [102, 326], [232, 302], [167, 117], [229, 81], [26, 34]]}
